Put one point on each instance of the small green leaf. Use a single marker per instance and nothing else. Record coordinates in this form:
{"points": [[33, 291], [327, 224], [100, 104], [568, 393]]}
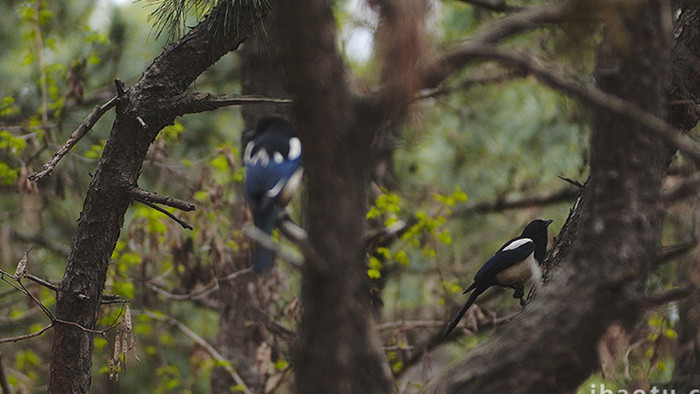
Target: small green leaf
{"points": [[374, 274]]}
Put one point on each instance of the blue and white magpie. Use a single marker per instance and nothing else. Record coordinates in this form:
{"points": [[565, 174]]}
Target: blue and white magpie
{"points": [[274, 170], [515, 263]]}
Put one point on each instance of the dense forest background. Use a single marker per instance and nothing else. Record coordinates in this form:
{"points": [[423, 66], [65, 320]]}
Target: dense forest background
{"points": [[475, 158]]}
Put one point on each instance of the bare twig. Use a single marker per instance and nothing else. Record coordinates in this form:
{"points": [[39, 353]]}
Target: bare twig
{"points": [[201, 102], [468, 83], [91, 331], [222, 362], [265, 241], [668, 296], [435, 341], [22, 289], [297, 235], [505, 203], [669, 253], [38, 303], [498, 5], [106, 298], [409, 324], [42, 282], [26, 336], [396, 228], [179, 221], [201, 292], [571, 181], [75, 136], [145, 196]]}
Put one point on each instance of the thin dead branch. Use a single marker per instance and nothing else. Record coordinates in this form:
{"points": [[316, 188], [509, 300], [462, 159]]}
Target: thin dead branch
{"points": [[179, 221], [75, 136], [202, 102], [200, 293], [146, 196], [497, 6], [505, 203]]}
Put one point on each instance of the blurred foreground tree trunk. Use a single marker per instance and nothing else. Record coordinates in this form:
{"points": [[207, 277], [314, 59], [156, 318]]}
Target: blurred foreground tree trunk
{"points": [[551, 347]]}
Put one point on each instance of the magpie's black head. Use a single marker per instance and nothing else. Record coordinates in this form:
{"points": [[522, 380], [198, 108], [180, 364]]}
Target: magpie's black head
{"points": [[536, 227], [536, 230], [276, 123]]}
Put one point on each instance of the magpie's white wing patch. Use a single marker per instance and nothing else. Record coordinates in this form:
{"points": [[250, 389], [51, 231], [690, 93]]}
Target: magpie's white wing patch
{"points": [[248, 152], [294, 148], [261, 157], [516, 244]]}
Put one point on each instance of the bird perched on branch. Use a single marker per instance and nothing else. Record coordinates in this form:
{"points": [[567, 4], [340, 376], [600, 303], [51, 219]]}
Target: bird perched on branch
{"points": [[515, 263], [274, 170]]}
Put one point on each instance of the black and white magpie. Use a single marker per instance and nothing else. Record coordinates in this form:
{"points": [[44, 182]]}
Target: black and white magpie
{"points": [[515, 263], [274, 170]]}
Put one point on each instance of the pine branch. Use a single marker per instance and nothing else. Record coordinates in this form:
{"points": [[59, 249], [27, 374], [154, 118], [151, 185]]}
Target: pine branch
{"points": [[201, 102]]}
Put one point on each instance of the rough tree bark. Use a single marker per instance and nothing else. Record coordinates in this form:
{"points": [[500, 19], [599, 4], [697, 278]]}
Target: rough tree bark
{"points": [[685, 115], [143, 109], [551, 346]]}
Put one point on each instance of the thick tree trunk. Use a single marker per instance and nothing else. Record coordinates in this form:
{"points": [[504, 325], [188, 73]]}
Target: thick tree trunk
{"points": [[339, 350], [685, 115], [551, 346], [142, 111]]}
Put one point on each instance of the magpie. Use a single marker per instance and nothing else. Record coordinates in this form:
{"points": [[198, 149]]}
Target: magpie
{"points": [[515, 263], [273, 169]]}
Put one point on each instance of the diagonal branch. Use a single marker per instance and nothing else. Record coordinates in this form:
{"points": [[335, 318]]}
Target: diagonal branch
{"points": [[265, 241], [202, 102], [204, 344], [520, 22], [685, 189], [179, 221], [75, 136], [590, 95]]}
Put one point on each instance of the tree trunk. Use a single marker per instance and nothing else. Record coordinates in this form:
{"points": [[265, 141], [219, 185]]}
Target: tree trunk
{"points": [[339, 350], [142, 111], [684, 115], [551, 346]]}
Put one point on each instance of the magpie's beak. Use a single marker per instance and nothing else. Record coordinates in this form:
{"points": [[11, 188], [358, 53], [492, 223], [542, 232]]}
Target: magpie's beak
{"points": [[548, 222]]}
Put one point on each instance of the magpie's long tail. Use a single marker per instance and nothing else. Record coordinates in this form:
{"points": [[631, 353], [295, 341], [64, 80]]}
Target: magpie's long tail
{"points": [[477, 292], [263, 257]]}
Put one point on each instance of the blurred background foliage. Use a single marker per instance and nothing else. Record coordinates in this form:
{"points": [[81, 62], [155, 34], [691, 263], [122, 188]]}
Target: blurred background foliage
{"points": [[487, 135]]}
